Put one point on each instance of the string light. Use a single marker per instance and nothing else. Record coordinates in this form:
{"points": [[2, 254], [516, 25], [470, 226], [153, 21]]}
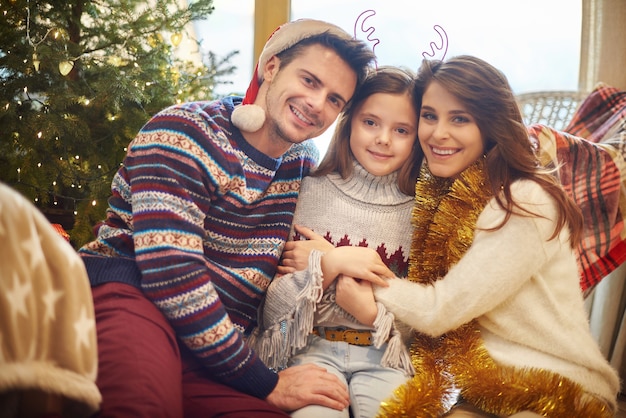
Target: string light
{"points": [[36, 62], [176, 39], [65, 67], [115, 60], [51, 192]]}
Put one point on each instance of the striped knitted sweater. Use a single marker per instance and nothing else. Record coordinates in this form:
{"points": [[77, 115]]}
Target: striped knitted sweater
{"points": [[198, 219]]}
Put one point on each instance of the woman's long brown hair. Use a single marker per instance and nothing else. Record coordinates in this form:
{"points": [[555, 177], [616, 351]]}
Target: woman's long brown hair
{"points": [[486, 93]]}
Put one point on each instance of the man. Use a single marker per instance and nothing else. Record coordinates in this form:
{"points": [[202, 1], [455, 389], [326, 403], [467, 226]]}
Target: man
{"points": [[199, 214]]}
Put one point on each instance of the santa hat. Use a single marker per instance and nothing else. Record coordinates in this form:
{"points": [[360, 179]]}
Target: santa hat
{"points": [[250, 117]]}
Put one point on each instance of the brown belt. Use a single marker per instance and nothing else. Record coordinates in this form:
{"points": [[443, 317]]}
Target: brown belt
{"points": [[350, 336]]}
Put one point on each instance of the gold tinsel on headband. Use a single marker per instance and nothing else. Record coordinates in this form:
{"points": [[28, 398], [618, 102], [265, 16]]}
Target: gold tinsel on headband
{"points": [[444, 218]]}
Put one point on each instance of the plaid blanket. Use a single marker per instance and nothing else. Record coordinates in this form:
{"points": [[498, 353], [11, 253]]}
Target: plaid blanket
{"points": [[601, 116], [595, 176], [590, 155]]}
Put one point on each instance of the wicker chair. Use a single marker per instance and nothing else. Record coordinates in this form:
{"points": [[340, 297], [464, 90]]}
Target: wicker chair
{"points": [[551, 108]]}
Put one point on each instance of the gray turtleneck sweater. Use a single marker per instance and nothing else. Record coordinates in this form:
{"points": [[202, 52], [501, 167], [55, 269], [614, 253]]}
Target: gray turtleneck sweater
{"points": [[362, 210]]}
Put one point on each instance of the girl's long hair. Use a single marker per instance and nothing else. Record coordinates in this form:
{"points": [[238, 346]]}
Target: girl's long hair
{"points": [[339, 157], [510, 155]]}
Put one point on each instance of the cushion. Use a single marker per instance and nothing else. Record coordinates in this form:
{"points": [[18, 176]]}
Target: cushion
{"points": [[48, 341]]}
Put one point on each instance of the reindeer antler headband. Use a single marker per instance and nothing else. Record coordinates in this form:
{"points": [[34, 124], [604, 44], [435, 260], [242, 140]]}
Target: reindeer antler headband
{"points": [[364, 27]]}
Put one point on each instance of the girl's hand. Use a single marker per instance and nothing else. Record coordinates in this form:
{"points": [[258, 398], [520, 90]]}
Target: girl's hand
{"points": [[295, 255], [357, 298], [360, 262]]}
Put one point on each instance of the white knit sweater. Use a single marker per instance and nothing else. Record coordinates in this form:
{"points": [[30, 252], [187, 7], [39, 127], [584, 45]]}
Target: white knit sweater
{"points": [[363, 210], [522, 288]]}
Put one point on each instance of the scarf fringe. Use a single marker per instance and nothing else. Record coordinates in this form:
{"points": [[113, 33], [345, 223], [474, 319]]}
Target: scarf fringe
{"points": [[396, 355], [275, 345]]}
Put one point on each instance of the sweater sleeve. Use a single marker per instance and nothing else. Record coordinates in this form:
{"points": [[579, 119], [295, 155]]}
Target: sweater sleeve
{"points": [[174, 176], [288, 313], [495, 267]]}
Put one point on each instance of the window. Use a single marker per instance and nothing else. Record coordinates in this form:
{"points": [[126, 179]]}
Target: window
{"points": [[536, 43], [230, 28]]}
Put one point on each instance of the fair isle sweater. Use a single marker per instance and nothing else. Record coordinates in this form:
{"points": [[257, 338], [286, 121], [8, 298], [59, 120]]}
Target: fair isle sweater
{"points": [[197, 220], [362, 210]]}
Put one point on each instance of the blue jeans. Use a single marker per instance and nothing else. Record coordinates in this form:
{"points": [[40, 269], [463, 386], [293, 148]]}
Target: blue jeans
{"points": [[359, 367]]}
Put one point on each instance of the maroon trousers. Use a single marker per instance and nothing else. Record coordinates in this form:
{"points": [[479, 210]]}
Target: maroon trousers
{"points": [[143, 372]]}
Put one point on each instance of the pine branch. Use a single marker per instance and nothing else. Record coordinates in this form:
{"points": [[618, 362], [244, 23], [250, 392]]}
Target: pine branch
{"points": [[64, 137]]}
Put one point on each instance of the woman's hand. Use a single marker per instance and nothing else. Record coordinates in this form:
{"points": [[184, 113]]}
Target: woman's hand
{"points": [[295, 255], [357, 298], [359, 262]]}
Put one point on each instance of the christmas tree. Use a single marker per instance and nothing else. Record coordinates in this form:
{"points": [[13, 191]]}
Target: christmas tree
{"points": [[79, 79]]}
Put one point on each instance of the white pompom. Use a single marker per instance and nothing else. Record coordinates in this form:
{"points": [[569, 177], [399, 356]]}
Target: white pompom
{"points": [[249, 118]]}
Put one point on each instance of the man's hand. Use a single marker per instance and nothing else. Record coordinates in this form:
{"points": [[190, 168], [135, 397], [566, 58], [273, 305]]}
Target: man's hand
{"points": [[308, 384], [295, 255]]}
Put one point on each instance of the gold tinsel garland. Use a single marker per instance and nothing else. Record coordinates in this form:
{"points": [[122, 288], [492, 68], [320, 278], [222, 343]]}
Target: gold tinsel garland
{"points": [[444, 217]]}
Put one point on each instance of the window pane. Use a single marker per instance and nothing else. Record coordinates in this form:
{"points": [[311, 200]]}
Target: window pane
{"points": [[536, 43], [230, 28]]}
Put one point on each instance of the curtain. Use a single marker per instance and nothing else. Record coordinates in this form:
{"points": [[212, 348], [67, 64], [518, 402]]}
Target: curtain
{"points": [[603, 59], [603, 44]]}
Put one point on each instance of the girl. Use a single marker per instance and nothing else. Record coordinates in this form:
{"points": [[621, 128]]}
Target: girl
{"points": [[493, 289], [360, 195]]}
